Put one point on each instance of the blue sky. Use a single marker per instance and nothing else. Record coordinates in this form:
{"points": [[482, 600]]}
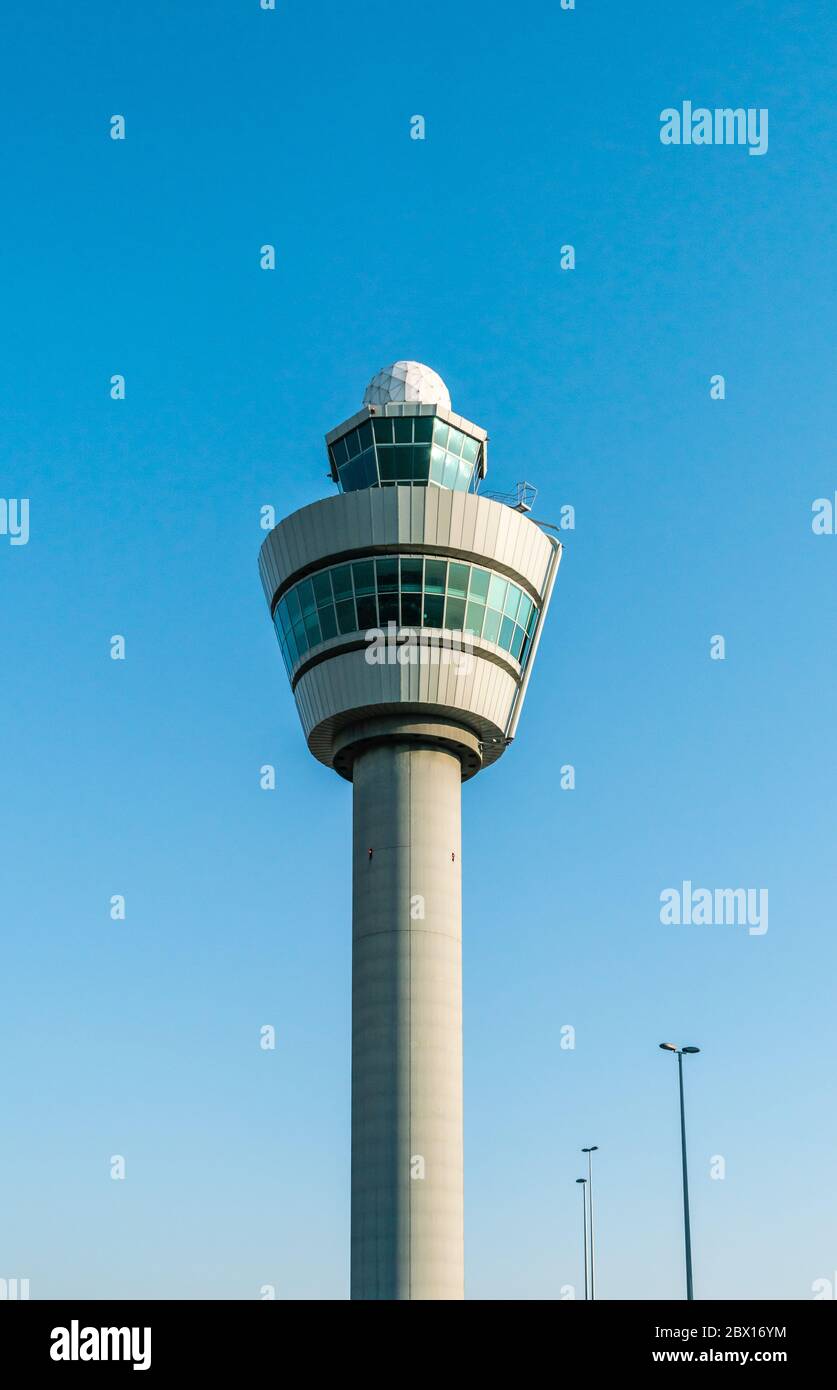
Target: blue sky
{"points": [[693, 518]]}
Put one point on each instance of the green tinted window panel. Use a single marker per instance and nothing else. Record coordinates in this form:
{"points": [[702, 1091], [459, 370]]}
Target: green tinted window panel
{"points": [[403, 429], [367, 613], [440, 433], [328, 622], [421, 462], [411, 574], [533, 618], [434, 576], [364, 576], [369, 465], [474, 616], [525, 611], [322, 587], [341, 579], [352, 475], [346, 619], [365, 435], [339, 451], [455, 614], [491, 628], [353, 443], [437, 464], [308, 603], [497, 592], [479, 584], [388, 608], [423, 429], [470, 448], [386, 462], [411, 610], [383, 431], [294, 610], [284, 617], [454, 444], [458, 579], [301, 639], [387, 572], [433, 610], [463, 481], [506, 634], [517, 641], [512, 602], [404, 462], [312, 629], [451, 472]]}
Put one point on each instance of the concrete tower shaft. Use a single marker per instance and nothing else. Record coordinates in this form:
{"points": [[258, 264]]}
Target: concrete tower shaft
{"points": [[408, 614], [407, 1196]]}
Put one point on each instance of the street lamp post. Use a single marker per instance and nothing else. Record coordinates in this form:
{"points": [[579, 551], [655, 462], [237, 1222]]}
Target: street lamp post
{"points": [[583, 1181], [589, 1152], [670, 1047]]}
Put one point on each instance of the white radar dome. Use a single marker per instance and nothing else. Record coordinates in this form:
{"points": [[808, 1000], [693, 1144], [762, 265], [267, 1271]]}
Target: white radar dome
{"points": [[407, 381]]}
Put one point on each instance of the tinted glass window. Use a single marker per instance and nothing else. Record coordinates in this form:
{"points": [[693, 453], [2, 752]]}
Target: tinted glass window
{"points": [[306, 596], [364, 576], [458, 580], [387, 574], [341, 578], [367, 613], [365, 435], [412, 591], [434, 576], [411, 569], [322, 588]]}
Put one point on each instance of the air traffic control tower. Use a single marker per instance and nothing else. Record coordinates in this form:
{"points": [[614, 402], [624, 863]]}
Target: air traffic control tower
{"points": [[408, 610]]}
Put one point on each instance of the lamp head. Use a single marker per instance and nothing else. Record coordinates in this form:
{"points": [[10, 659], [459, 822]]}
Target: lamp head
{"points": [[668, 1047], [690, 1049]]}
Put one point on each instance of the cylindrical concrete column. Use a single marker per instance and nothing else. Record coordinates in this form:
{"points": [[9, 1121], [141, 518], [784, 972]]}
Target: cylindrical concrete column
{"points": [[407, 1204]]}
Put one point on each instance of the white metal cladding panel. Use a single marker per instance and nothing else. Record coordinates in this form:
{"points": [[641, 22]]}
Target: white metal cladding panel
{"points": [[431, 513], [346, 685], [483, 529], [457, 517], [441, 534], [418, 512]]}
